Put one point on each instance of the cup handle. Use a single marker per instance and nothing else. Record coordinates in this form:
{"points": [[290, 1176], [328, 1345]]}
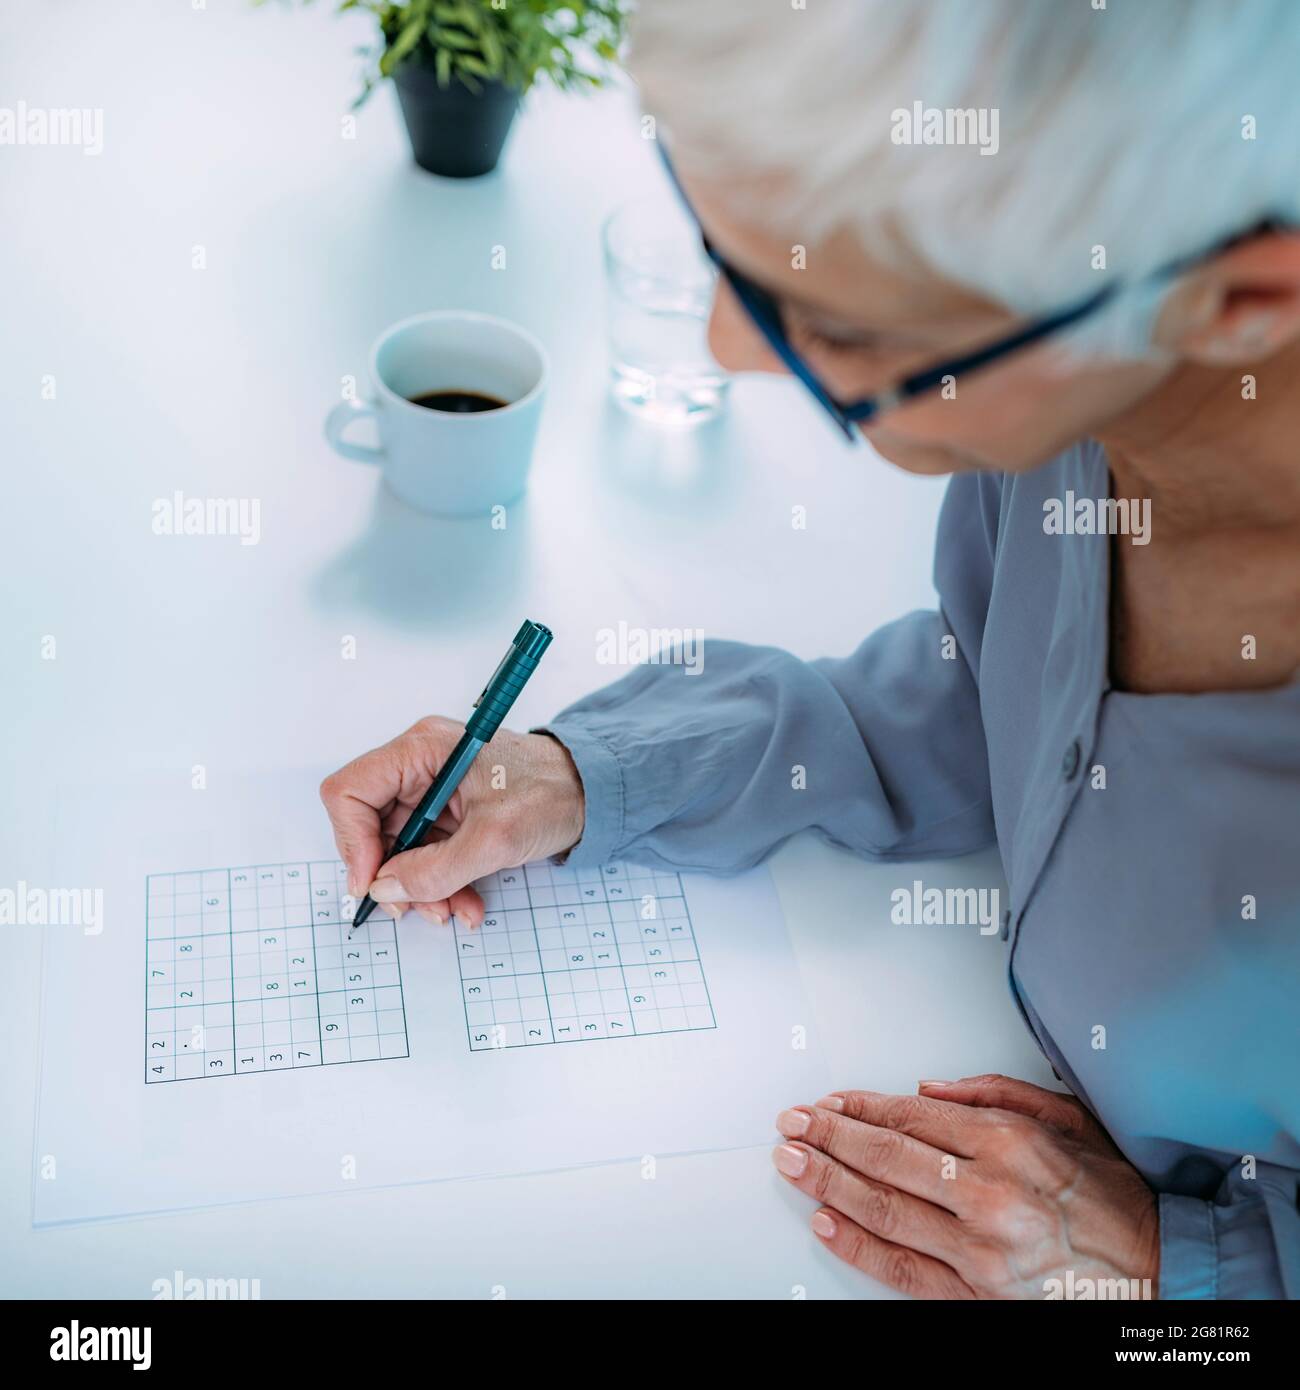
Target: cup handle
{"points": [[336, 423]]}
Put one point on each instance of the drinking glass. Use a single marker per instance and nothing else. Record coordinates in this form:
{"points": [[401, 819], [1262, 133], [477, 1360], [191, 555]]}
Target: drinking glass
{"points": [[660, 288]]}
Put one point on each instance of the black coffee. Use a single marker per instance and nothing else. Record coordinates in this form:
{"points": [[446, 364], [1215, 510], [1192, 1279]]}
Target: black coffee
{"points": [[458, 402]]}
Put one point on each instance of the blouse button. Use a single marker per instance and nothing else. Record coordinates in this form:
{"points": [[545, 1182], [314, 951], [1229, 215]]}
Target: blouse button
{"points": [[1070, 763]]}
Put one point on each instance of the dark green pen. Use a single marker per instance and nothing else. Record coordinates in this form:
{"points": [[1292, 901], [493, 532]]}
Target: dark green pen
{"points": [[490, 709]]}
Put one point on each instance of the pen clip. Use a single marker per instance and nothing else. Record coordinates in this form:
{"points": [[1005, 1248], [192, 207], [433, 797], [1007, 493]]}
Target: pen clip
{"points": [[501, 665]]}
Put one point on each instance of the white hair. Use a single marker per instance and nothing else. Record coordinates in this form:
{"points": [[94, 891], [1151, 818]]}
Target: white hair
{"points": [[1152, 128]]}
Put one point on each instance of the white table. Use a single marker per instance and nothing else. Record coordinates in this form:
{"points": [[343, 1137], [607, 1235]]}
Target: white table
{"points": [[222, 129]]}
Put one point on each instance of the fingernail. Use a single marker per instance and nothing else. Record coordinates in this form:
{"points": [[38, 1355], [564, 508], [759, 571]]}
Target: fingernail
{"points": [[389, 890], [789, 1160], [934, 1083], [824, 1224], [830, 1103], [439, 918], [792, 1123]]}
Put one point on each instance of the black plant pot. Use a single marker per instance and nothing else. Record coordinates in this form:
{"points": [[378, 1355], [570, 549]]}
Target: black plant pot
{"points": [[454, 132]]}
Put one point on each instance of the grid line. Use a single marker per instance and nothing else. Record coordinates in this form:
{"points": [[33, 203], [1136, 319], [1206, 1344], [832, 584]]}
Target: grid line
{"points": [[181, 905], [659, 986]]}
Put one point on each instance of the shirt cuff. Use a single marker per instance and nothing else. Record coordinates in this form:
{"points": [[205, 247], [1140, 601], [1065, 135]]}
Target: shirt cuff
{"points": [[1189, 1255], [602, 787]]}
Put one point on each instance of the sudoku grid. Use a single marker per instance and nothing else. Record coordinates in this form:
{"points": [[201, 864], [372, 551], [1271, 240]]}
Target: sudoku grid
{"points": [[568, 955], [250, 969]]}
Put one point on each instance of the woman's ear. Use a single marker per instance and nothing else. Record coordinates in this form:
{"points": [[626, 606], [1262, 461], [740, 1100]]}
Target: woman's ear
{"points": [[1240, 307]]}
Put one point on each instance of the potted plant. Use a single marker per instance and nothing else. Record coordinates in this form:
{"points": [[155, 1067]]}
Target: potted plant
{"points": [[460, 66]]}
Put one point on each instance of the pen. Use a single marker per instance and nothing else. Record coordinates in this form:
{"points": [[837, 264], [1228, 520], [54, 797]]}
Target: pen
{"points": [[490, 709]]}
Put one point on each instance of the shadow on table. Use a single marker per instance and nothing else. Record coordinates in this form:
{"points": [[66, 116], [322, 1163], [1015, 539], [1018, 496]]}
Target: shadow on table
{"points": [[688, 472], [428, 573]]}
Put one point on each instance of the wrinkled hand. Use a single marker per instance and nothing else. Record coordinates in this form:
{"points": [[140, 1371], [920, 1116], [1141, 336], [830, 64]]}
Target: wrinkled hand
{"points": [[520, 800], [982, 1188]]}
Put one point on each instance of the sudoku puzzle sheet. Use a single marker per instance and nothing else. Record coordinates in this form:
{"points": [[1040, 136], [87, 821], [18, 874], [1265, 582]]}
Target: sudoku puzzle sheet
{"points": [[250, 969], [565, 956]]}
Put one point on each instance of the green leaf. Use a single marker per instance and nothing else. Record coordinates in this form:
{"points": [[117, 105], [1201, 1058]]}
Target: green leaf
{"points": [[571, 43], [492, 50], [453, 38], [406, 41]]}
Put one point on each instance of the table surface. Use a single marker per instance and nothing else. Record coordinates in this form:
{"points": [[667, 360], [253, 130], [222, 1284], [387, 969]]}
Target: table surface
{"points": [[223, 129]]}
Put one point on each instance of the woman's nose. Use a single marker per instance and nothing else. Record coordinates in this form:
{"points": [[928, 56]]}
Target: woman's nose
{"points": [[734, 341]]}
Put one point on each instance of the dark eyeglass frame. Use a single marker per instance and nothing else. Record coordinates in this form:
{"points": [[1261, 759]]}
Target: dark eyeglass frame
{"points": [[764, 310]]}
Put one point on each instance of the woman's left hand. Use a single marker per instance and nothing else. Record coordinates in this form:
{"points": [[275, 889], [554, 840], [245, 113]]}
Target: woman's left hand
{"points": [[982, 1188]]}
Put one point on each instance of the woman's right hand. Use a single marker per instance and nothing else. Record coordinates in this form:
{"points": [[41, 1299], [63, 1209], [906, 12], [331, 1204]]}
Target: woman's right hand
{"points": [[520, 800]]}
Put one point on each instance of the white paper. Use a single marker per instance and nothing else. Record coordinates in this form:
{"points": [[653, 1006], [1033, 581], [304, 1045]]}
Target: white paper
{"points": [[595, 1018]]}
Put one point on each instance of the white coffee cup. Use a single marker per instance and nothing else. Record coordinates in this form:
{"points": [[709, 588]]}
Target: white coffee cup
{"points": [[440, 461]]}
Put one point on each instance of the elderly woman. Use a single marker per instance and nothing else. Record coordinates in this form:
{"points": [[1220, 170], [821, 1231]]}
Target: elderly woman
{"points": [[1046, 247]]}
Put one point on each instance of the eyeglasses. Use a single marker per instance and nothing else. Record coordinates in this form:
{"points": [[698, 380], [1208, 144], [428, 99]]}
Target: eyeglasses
{"points": [[764, 310]]}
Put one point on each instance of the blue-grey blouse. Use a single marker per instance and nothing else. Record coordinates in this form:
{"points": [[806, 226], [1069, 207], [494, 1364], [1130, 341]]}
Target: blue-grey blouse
{"points": [[1151, 843]]}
